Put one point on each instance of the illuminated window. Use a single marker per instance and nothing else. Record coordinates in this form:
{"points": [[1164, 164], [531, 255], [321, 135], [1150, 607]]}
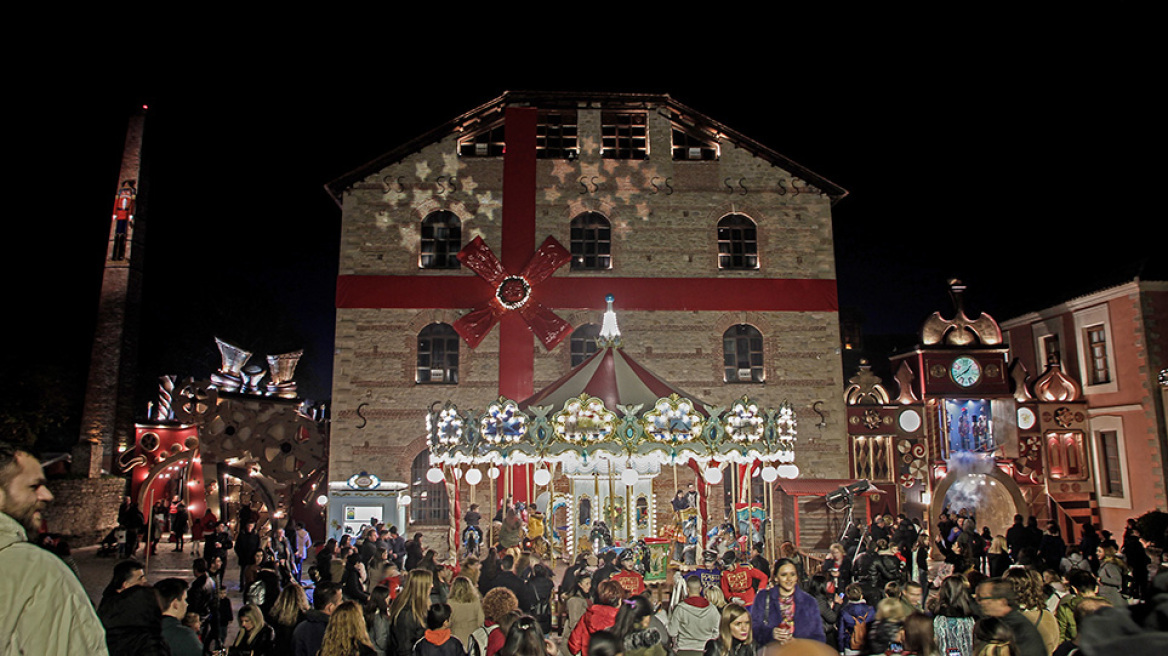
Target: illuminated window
{"points": [[441, 241], [430, 504], [591, 235], [624, 135], [742, 354], [1110, 465], [1098, 369], [1065, 455], [737, 242], [688, 145], [872, 458], [437, 355], [486, 143], [583, 343], [1051, 350], [556, 135]]}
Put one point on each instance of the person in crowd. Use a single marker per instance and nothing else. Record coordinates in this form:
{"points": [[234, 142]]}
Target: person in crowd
{"points": [[694, 621], [998, 557], [954, 615], [784, 611], [604, 643], [740, 581], [854, 614], [407, 615], [354, 580], [734, 633], [130, 613], [885, 567], [346, 634], [600, 615], [543, 587], [1016, 538], [1083, 585], [414, 552], [511, 533], [829, 606], [837, 568], [709, 573], [631, 625], [1073, 560], [437, 640], [1137, 559], [996, 598], [308, 634], [216, 545], [918, 636], [578, 568], [715, 597], [466, 610], [629, 578], [1089, 545], [788, 550], [1028, 591], [247, 544], [290, 609], [884, 633], [1111, 573], [376, 568], [1052, 548], [489, 638], [303, 543], [255, 637], [507, 578], [180, 521], [377, 619], [577, 599], [919, 569], [1085, 609], [525, 638], [45, 609], [993, 637], [181, 640]]}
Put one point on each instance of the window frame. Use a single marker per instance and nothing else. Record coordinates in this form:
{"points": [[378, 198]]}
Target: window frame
{"points": [[1085, 320], [751, 352], [621, 138], [601, 241], [747, 244], [430, 502], [450, 356], [1101, 425], [583, 340], [446, 247]]}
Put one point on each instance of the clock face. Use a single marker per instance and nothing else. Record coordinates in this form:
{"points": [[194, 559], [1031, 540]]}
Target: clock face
{"points": [[1026, 418], [965, 371]]}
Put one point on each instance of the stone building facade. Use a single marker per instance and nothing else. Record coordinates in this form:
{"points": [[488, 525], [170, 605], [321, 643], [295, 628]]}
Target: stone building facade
{"points": [[718, 250]]}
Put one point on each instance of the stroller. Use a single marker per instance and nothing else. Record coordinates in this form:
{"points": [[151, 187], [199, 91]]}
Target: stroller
{"points": [[109, 544]]}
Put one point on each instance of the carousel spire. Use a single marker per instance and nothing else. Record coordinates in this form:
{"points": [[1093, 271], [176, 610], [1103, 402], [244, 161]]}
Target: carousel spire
{"points": [[609, 331]]}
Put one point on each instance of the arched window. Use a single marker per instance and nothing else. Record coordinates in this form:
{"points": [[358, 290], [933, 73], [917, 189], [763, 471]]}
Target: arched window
{"points": [[583, 343], [591, 242], [742, 354], [737, 242], [437, 354], [441, 241], [430, 505]]}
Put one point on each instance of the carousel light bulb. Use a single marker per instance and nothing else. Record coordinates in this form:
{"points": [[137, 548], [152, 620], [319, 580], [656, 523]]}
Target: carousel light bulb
{"points": [[493, 473], [629, 477], [404, 500], [434, 475], [474, 476], [770, 474], [322, 500], [713, 475], [542, 477]]}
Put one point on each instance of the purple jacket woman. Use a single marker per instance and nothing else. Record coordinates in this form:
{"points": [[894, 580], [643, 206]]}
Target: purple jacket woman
{"points": [[766, 614]]}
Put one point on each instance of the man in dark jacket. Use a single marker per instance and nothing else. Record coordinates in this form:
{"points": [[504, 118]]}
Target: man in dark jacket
{"points": [[130, 613], [1052, 548], [507, 578], [247, 544], [997, 599], [1016, 538], [182, 640], [308, 635]]}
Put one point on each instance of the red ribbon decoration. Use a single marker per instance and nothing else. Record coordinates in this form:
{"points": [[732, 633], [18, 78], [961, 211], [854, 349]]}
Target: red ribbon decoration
{"points": [[513, 292]]}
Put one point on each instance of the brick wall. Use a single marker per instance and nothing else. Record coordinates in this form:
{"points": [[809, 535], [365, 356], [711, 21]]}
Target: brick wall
{"points": [[84, 509]]}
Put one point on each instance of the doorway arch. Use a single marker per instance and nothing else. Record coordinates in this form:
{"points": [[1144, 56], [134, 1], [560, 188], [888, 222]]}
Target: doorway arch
{"points": [[1003, 497]]}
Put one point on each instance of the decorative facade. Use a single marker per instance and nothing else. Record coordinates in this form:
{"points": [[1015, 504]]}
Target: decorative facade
{"points": [[475, 262]]}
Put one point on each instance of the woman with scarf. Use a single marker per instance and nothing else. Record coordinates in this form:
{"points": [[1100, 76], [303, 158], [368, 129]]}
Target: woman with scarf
{"points": [[783, 611]]}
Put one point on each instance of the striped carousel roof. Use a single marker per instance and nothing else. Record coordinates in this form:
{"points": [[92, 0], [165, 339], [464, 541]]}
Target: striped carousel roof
{"points": [[612, 376]]}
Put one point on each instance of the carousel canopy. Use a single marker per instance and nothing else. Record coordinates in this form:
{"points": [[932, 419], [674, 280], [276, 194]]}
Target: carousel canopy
{"points": [[611, 407]]}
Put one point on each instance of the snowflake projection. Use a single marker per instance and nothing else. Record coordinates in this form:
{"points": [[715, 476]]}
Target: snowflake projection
{"points": [[503, 423], [673, 421], [744, 424], [447, 427], [584, 421]]}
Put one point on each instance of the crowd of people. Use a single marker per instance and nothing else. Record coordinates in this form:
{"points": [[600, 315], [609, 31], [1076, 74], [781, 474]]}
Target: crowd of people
{"points": [[379, 594]]}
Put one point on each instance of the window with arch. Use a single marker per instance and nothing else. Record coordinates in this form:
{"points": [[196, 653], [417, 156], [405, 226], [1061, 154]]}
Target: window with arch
{"points": [[429, 504], [591, 238], [437, 355], [583, 343], [737, 242], [441, 241], [742, 354]]}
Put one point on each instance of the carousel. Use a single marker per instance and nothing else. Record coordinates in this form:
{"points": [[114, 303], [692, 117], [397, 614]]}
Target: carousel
{"points": [[594, 442]]}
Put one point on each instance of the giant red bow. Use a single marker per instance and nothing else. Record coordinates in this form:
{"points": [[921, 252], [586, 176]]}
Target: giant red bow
{"points": [[513, 292]]}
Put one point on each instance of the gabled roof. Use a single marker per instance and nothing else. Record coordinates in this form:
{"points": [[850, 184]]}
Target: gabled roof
{"points": [[493, 110]]}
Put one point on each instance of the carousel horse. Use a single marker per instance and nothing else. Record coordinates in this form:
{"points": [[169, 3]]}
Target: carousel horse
{"points": [[472, 540], [600, 536]]}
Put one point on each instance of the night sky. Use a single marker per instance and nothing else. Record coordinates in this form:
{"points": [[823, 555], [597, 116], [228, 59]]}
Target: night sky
{"points": [[1016, 153]]}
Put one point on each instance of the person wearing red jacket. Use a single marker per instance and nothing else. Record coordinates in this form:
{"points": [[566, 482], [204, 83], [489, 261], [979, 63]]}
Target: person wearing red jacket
{"points": [[738, 580], [598, 617], [630, 579]]}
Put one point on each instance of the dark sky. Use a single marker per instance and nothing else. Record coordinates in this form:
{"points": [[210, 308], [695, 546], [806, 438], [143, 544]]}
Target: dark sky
{"points": [[1014, 152]]}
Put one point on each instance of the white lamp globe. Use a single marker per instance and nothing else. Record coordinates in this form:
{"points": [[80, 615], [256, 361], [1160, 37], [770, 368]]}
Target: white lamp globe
{"points": [[770, 474], [713, 475], [404, 500], [629, 477], [493, 473], [788, 471], [542, 477], [474, 476], [322, 500], [434, 475]]}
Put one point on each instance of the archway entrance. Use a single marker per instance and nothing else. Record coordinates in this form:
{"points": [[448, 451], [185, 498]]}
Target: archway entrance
{"points": [[992, 496]]}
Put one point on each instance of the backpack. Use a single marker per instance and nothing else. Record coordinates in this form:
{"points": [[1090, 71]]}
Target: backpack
{"points": [[478, 640], [860, 630]]}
